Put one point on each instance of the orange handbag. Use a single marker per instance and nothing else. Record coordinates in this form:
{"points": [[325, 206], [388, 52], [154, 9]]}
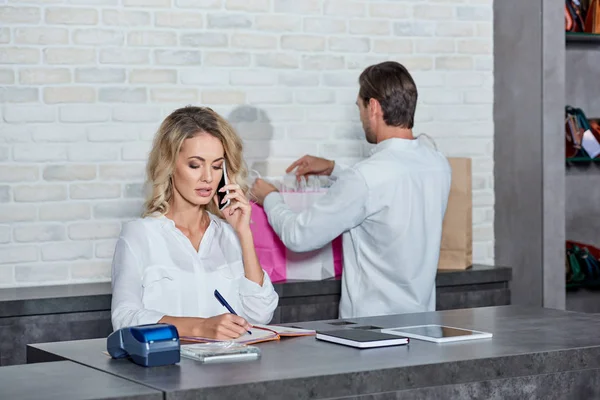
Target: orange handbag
{"points": [[592, 18]]}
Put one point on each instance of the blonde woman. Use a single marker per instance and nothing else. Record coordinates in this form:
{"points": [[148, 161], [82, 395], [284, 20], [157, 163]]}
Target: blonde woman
{"points": [[168, 263]]}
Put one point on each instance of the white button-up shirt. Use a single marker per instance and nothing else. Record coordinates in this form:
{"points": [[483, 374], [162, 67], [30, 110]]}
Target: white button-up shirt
{"points": [[156, 272], [390, 208]]}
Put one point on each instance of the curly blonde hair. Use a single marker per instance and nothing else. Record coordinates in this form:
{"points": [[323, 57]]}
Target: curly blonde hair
{"points": [[185, 123]]}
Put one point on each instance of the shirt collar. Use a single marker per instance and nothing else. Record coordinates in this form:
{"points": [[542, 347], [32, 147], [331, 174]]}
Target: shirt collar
{"points": [[395, 143], [167, 222]]}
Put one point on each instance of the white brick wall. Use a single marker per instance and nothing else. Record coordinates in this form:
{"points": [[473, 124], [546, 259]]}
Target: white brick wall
{"points": [[84, 84]]}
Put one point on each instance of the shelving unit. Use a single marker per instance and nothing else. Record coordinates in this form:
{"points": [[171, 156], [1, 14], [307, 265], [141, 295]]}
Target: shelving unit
{"points": [[582, 174], [529, 149], [581, 37], [582, 160]]}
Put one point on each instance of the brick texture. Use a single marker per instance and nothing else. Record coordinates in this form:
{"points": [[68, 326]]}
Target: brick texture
{"points": [[85, 84]]}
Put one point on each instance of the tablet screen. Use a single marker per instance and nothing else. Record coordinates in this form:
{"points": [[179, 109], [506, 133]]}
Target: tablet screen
{"points": [[437, 331]]}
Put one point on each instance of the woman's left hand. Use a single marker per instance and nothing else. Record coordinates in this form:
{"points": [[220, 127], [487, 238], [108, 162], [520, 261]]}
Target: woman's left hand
{"points": [[237, 214]]}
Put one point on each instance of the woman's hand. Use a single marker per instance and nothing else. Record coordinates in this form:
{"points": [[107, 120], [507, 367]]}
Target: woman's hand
{"points": [[221, 327], [237, 214], [224, 327]]}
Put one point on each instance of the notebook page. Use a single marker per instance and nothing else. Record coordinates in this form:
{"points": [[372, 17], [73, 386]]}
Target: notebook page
{"points": [[287, 331], [258, 335]]}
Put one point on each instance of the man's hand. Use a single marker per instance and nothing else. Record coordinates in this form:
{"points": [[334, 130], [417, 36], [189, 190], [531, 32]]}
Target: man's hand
{"points": [[311, 165], [260, 190]]}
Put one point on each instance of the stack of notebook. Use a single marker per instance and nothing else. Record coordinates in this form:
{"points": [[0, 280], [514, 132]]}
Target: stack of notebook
{"points": [[362, 338]]}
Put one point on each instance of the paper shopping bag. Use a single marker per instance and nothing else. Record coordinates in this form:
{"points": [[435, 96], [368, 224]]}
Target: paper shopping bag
{"points": [[456, 251]]}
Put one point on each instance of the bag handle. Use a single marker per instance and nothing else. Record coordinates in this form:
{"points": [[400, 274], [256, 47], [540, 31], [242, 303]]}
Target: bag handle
{"points": [[569, 23]]}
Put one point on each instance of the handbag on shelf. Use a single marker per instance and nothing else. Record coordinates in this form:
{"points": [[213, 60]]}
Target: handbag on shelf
{"points": [[582, 267], [592, 17], [582, 139], [574, 17], [569, 23], [582, 16], [595, 126], [572, 137], [574, 276]]}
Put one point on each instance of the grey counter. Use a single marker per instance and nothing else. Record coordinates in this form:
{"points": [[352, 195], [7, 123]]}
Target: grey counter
{"points": [[42, 300], [73, 312], [535, 353], [66, 380]]}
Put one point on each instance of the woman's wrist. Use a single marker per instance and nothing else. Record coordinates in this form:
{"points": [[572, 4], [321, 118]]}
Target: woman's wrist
{"points": [[245, 234], [198, 327], [186, 326], [252, 268]]}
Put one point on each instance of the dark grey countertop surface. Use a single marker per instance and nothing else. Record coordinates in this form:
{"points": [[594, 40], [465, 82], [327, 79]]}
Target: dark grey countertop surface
{"points": [[63, 380], [23, 301], [526, 341]]}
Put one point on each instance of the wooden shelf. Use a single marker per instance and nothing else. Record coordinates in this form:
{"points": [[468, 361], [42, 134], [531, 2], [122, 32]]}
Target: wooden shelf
{"points": [[582, 37]]}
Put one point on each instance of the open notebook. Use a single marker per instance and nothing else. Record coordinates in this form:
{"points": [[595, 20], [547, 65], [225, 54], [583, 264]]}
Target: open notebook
{"points": [[260, 333]]}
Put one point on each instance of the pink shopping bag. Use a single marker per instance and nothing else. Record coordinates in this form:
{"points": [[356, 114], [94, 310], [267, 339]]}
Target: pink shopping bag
{"points": [[270, 250], [281, 263], [338, 256]]}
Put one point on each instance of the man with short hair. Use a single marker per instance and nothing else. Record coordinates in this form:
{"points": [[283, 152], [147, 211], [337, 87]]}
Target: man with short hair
{"points": [[389, 206]]}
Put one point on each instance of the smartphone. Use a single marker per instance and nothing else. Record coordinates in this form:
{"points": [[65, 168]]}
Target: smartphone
{"points": [[221, 195]]}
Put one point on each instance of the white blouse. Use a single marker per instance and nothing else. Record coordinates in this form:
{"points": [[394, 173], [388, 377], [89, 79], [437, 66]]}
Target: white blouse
{"points": [[156, 272]]}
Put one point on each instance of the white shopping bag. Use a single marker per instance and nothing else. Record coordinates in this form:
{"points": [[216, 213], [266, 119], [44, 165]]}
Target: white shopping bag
{"points": [[312, 265]]}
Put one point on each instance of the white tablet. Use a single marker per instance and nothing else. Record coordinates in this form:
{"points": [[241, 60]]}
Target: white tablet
{"points": [[437, 333]]}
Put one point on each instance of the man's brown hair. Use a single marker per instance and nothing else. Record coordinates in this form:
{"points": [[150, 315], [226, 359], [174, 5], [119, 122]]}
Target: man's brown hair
{"points": [[391, 84]]}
